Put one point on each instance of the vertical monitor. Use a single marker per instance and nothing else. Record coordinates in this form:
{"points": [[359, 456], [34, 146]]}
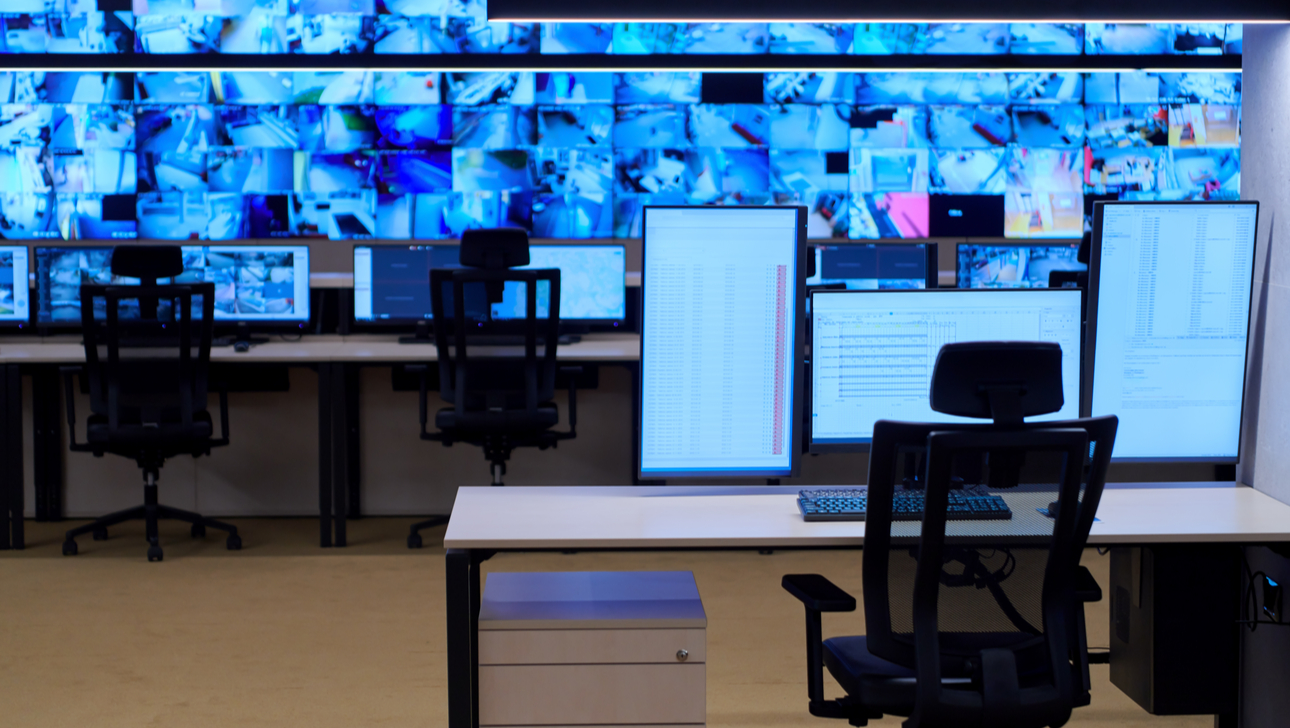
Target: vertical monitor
{"points": [[721, 342], [392, 283], [1168, 323], [14, 287], [1014, 266], [872, 352], [862, 266], [254, 284]]}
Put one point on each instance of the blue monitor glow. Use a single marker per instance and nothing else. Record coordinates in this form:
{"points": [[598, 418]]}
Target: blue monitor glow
{"points": [[721, 336], [1168, 324], [872, 352], [1014, 266], [254, 284], [874, 266], [392, 283], [14, 289]]}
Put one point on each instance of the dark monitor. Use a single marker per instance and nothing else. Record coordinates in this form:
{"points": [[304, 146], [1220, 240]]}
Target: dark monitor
{"points": [[872, 352], [965, 216], [15, 308], [874, 266], [721, 341], [1014, 266], [1168, 324], [392, 283], [257, 285]]}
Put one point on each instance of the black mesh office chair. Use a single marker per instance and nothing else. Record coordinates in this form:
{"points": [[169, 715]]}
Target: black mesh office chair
{"points": [[978, 623], [147, 352], [498, 402]]}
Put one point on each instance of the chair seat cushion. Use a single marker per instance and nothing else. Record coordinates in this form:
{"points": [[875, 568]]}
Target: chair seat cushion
{"points": [[499, 422], [875, 682], [167, 435]]}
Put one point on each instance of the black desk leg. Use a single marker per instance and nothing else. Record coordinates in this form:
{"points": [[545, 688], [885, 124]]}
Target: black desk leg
{"points": [[340, 451], [324, 454], [352, 444], [47, 441], [11, 496], [462, 575]]}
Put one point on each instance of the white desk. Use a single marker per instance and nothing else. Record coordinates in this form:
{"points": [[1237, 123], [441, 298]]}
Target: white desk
{"points": [[486, 520]]}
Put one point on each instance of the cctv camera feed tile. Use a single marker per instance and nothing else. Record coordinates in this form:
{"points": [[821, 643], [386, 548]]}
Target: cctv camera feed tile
{"points": [[252, 283], [365, 154], [1014, 266]]}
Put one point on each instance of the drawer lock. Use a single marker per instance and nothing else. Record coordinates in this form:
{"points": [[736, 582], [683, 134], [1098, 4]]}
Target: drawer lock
{"points": [[681, 655]]}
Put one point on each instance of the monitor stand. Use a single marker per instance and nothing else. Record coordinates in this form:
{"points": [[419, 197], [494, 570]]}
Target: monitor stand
{"points": [[241, 335], [420, 335]]}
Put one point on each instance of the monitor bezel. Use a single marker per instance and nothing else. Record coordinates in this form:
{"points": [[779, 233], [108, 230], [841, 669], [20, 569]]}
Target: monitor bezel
{"points": [[270, 325], [958, 252], [1090, 325], [799, 343], [931, 264], [407, 325], [816, 448]]}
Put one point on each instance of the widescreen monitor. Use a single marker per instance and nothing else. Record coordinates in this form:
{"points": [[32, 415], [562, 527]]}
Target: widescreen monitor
{"points": [[721, 341], [1014, 266], [265, 285], [392, 283], [873, 266], [1168, 324], [14, 286], [873, 352]]}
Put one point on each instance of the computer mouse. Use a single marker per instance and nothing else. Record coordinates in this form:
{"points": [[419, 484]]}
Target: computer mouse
{"points": [[241, 347]]}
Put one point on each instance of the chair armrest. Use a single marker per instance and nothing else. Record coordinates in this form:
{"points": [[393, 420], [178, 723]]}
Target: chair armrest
{"points": [[69, 401], [1086, 587], [818, 593]]}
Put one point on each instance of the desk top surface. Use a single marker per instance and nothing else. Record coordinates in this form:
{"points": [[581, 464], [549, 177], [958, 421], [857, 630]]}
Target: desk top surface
{"points": [[310, 349], [661, 517]]}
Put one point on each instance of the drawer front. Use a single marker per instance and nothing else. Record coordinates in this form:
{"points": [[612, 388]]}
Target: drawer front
{"points": [[591, 646], [555, 695]]}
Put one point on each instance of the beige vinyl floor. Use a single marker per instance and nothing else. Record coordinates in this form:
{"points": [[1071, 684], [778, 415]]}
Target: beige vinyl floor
{"points": [[283, 633]]}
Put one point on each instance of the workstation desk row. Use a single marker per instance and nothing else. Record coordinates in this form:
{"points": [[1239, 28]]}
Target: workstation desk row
{"points": [[337, 359]]}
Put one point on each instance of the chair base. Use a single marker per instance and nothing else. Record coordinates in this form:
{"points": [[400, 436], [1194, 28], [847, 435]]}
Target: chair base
{"points": [[151, 513], [414, 537]]}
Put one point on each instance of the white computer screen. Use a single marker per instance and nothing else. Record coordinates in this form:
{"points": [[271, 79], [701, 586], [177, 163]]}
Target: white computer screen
{"points": [[873, 352], [14, 285], [719, 341], [1170, 318]]}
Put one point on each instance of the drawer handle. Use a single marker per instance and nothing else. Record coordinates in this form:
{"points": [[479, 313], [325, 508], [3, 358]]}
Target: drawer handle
{"points": [[681, 655]]}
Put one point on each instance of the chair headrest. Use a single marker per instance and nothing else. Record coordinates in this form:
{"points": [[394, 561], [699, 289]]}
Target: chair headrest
{"points": [[1000, 380], [494, 249], [147, 262]]}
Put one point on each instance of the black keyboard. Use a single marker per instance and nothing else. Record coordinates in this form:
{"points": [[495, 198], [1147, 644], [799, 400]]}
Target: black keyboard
{"points": [[850, 504]]}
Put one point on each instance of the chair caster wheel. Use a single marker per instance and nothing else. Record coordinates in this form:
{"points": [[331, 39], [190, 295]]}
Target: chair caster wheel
{"points": [[69, 548], [234, 543], [198, 531], [155, 553], [100, 534], [414, 541]]}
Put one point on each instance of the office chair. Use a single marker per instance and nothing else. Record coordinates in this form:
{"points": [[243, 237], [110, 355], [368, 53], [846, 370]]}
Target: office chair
{"points": [[146, 361], [979, 623], [498, 403]]}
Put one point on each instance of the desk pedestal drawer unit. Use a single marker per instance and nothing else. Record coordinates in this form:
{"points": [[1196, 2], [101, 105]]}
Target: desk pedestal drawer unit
{"points": [[592, 649]]}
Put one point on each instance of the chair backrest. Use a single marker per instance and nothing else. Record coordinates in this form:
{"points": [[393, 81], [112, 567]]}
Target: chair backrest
{"points": [[992, 601], [482, 383], [147, 352]]}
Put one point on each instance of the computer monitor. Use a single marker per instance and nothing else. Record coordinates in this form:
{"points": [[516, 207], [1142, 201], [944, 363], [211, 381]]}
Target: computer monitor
{"points": [[262, 286], [392, 283], [1168, 323], [722, 341], [14, 287], [873, 266], [872, 352], [1013, 266]]}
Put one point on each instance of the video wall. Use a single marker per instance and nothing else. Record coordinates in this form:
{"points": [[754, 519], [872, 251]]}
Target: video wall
{"points": [[398, 155]]}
